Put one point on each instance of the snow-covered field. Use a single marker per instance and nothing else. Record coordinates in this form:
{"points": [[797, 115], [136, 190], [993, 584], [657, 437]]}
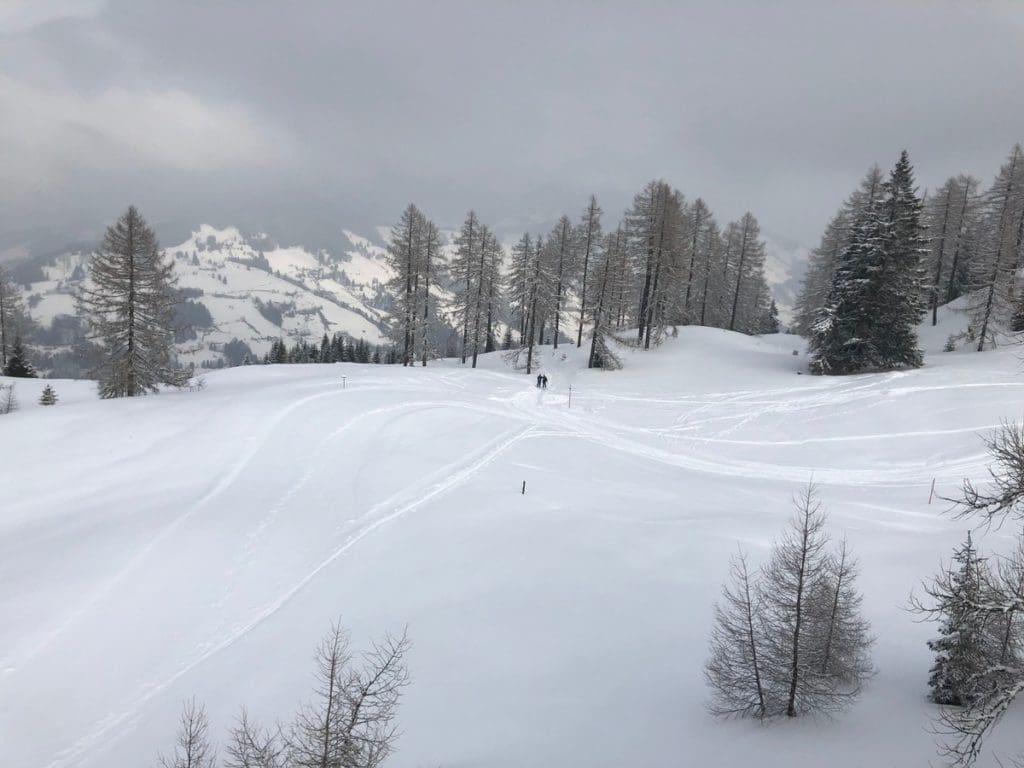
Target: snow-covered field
{"points": [[202, 542]]}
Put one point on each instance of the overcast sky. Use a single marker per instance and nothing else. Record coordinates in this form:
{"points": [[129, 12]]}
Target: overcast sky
{"points": [[303, 117]]}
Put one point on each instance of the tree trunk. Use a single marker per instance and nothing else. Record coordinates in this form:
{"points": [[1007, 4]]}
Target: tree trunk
{"points": [[939, 259], [739, 276]]}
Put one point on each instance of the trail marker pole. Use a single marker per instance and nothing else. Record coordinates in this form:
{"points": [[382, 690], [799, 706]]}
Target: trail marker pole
{"points": [[932, 491], [342, 381], [524, 487], [570, 395]]}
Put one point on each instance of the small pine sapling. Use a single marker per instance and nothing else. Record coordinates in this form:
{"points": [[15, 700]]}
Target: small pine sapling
{"points": [[48, 397]]}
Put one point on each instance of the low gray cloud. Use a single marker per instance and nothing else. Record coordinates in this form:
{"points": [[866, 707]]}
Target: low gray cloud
{"points": [[305, 117]]}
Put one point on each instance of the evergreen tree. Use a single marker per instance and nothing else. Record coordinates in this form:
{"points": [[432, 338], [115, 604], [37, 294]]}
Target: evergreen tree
{"points": [[128, 303], [278, 352], [11, 314], [770, 320], [325, 350], [960, 647], [825, 259], [869, 322], [48, 396], [18, 365]]}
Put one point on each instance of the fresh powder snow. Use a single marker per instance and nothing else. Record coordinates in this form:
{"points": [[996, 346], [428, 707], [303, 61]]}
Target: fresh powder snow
{"points": [[201, 542]]}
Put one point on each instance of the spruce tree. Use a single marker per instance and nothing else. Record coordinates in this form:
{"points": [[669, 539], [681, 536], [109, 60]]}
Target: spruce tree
{"points": [[959, 648], [18, 366], [770, 319], [48, 396], [825, 259], [898, 299], [11, 314], [870, 319], [128, 303]]}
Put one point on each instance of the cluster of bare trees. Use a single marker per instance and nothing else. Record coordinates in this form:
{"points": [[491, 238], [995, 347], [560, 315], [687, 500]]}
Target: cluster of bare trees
{"points": [[349, 723], [476, 269], [414, 250], [973, 246], [666, 264], [789, 638]]}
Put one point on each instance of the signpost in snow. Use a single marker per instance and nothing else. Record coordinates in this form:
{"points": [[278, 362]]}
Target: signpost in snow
{"points": [[343, 381]]}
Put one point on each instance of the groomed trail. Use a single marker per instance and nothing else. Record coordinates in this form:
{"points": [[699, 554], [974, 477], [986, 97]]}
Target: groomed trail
{"points": [[200, 543]]}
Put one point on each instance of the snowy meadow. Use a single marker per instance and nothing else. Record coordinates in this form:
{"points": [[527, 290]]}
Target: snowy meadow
{"points": [[201, 543]]}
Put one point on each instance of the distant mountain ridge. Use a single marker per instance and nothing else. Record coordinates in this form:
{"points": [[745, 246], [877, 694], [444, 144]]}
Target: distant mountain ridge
{"points": [[252, 289], [247, 288]]}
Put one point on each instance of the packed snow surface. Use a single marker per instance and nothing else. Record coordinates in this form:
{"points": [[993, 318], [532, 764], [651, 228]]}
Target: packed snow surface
{"points": [[202, 542]]}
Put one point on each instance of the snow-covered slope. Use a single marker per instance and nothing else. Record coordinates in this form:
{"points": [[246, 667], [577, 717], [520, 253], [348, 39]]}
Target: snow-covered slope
{"points": [[253, 289], [201, 542]]}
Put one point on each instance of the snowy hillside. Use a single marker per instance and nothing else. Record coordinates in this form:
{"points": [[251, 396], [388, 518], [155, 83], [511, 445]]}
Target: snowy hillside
{"points": [[201, 542], [252, 289]]}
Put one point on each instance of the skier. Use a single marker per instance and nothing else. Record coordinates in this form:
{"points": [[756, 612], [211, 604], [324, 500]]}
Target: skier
{"points": [[544, 381], [540, 378]]}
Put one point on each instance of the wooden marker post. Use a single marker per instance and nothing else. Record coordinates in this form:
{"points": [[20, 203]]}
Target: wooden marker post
{"points": [[932, 491]]}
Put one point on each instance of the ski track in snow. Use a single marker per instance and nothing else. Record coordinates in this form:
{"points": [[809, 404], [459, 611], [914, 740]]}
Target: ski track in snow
{"points": [[401, 503]]}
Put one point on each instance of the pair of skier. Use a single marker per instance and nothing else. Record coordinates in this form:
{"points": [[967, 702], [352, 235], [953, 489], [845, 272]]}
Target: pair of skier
{"points": [[542, 381]]}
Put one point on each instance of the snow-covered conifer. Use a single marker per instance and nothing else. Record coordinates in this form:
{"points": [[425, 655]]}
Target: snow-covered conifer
{"points": [[11, 314], [18, 366]]}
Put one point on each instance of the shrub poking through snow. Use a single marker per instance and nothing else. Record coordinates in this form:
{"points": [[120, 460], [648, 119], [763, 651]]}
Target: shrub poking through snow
{"points": [[8, 399], [349, 722]]}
